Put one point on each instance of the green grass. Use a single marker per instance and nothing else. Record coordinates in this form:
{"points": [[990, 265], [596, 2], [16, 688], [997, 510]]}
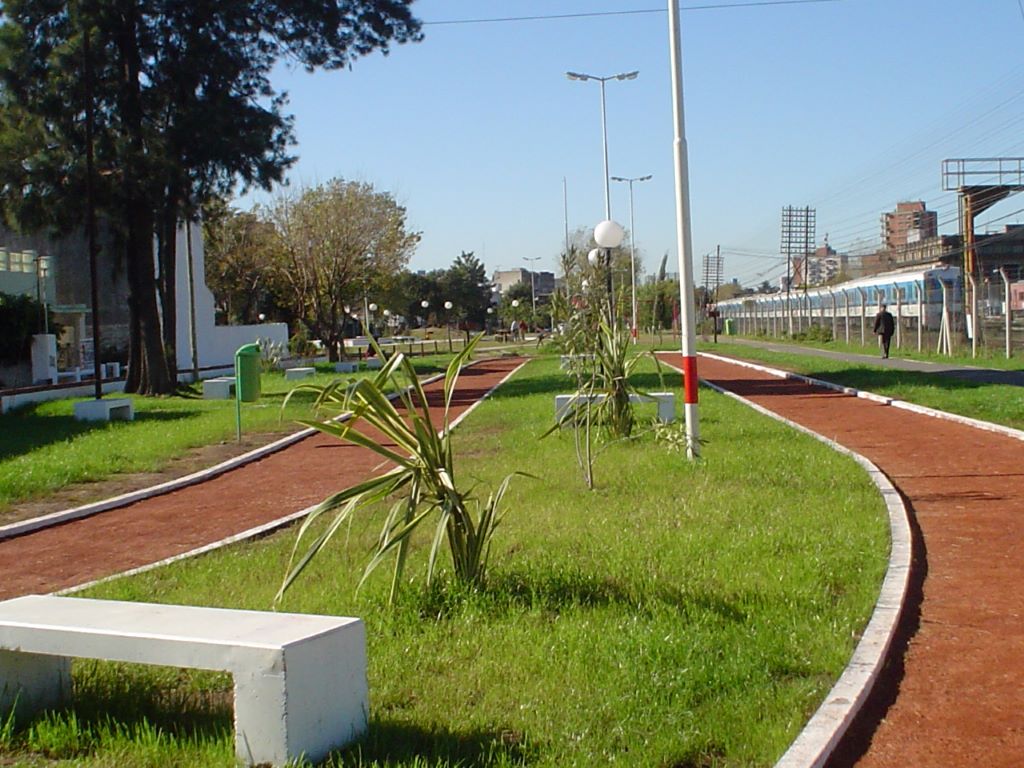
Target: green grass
{"points": [[44, 449], [681, 614], [997, 403]]}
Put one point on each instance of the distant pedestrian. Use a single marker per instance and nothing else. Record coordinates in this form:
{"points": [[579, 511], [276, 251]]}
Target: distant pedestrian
{"points": [[885, 326]]}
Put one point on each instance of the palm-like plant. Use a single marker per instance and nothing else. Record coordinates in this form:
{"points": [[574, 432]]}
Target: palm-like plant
{"points": [[422, 485]]}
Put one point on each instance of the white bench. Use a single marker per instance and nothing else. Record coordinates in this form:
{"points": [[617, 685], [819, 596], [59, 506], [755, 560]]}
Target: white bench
{"points": [[300, 680], [299, 373], [219, 388], [666, 403], [346, 366], [108, 409]]}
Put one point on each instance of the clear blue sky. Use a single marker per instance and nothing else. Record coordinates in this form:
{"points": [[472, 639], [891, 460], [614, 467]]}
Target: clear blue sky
{"points": [[847, 106]]}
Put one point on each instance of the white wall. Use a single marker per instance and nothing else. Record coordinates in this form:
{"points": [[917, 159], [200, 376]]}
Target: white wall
{"points": [[216, 343]]}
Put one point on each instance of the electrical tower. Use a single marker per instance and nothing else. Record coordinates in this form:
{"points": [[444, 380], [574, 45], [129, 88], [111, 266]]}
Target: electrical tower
{"points": [[712, 281], [797, 241]]}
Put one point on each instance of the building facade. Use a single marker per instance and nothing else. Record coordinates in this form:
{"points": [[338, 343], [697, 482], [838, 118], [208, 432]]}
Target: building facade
{"points": [[911, 222]]}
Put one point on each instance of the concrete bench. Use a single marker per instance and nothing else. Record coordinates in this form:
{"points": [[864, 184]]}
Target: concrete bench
{"points": [[346, 366], [373, 363], [666, 403], [107, 409], [299, 373], [299, 680], [220, 388], [568, 362]]}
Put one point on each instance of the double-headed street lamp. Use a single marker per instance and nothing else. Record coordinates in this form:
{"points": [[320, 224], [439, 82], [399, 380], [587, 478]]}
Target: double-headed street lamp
{"points": [[604, 126], [632, 242]]}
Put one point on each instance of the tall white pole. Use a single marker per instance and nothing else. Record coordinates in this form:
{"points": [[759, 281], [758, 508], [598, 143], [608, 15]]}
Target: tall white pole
{"points": [[683, 239], [632, 257], [604, 142]]}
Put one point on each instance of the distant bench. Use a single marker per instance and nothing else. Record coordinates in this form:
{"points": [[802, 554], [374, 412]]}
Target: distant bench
{"points": [[666, 403], [300, 680]]}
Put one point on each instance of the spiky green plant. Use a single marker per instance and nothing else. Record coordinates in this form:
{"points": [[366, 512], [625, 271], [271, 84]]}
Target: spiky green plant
{"points": [[420, 488]]}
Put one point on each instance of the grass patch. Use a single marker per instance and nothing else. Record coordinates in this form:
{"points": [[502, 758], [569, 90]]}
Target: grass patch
{"points": [[681, 614], [45, 449], [997, 403]]}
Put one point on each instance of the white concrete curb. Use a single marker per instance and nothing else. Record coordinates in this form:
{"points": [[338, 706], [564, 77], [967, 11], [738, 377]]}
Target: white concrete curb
{"points": [[273, 525], [924, 410], [819, 737]]}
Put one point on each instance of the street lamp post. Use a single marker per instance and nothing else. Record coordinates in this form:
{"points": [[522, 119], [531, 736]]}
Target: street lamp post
{"points": [[533, 287], [608, 235], [42, 272], [632, 243], [604, 126], [448, 322], [424, 304]]}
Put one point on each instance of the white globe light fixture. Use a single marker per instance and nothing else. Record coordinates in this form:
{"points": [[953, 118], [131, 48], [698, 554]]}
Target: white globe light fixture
{"points": [[373, 307], [515, 303], [387, 313], [594, 257], [585, 284], [448, 305], [609, 234], [424, 303]]}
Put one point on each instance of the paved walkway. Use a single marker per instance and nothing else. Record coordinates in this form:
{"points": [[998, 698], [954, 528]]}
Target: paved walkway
{"points": [[952, 693], [165, 526], [953, 370]]}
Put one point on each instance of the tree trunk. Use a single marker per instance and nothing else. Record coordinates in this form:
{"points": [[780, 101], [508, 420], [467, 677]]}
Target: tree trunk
{"points": [[167, 255], [147, 364]]}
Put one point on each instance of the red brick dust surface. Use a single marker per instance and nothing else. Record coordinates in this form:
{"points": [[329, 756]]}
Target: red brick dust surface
{"points": [[177, 522], [952, 691]]}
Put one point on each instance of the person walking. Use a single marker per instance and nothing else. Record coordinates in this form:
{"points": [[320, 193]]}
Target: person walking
{"points": [[885, 326]]}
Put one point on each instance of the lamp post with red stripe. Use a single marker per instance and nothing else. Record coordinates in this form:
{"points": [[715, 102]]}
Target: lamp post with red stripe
{"points": [[684, 240]]}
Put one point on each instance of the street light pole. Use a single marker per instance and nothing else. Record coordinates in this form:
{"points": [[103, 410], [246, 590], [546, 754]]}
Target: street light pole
{"points": [[533, 288], [683, 239], [632, 243], [604, 126]]}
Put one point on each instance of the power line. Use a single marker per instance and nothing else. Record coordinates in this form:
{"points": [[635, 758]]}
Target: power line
{"points": [[635, 12]]}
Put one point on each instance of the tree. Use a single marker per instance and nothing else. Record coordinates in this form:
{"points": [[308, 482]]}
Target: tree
{"points": [[337, 243], [239, 251], [465, 284], [183, 106]]}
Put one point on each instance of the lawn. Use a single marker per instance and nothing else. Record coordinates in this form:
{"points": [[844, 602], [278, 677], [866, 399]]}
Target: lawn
{"points": [[680, 614], [44, 449]]}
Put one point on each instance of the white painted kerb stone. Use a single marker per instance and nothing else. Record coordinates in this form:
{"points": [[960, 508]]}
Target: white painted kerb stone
{"points": [[300, 680]]}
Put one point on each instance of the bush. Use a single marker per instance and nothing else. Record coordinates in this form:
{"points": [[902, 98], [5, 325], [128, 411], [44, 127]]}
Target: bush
{"points": [[19, 318]]}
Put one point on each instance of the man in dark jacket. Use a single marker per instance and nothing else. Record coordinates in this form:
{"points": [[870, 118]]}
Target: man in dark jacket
{"points": [[885, 326]]}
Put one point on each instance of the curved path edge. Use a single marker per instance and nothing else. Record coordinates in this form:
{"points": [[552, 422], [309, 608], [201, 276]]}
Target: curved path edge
{"points": [[273, 525], [22, 527], [822, 733]]}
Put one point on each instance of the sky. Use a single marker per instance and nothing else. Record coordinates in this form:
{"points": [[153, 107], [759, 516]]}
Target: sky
{"points": [[846, 106]]}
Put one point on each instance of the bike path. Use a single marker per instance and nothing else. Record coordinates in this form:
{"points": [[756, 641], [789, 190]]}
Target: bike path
{"points": [[950, 693]]}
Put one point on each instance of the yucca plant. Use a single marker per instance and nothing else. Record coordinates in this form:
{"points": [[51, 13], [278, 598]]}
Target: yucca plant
{"points": [[421, 488]]}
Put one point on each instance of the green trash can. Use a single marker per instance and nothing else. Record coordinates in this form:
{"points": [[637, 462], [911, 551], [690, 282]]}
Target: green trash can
{"points": [[729, 325], [247, 373]]}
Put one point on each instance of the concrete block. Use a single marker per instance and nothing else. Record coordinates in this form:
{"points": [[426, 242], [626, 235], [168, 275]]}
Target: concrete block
{"points": [[299, 373], [220, 388], [108, 409], [346, 366]]}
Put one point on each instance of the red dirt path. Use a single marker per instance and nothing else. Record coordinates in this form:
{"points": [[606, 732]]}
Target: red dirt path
{"points": [[163, 526], [952, 693]]}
